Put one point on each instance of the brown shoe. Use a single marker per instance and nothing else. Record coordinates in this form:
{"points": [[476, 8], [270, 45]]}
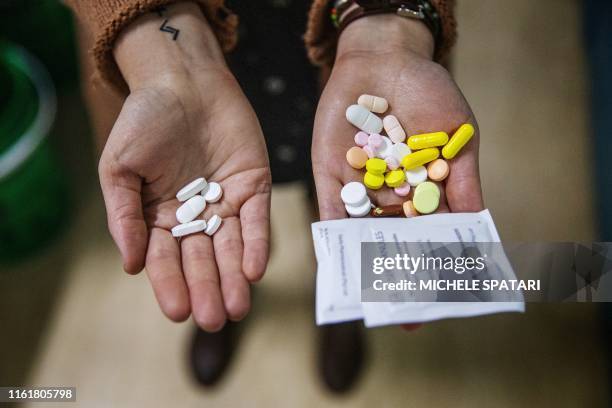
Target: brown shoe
{"points": [[211, 353], [341, 355]]}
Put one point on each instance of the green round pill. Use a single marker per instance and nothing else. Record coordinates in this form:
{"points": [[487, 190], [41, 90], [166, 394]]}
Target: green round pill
{"points": [[426, 201], [428, 186]]}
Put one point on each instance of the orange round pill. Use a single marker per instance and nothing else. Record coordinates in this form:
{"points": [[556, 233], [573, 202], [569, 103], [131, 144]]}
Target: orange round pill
{"points": [[409, 210], [356, 157], [438, 170]]}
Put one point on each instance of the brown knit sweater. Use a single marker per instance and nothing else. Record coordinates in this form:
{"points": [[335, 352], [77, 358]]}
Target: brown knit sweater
{"points": [[106, 18]]}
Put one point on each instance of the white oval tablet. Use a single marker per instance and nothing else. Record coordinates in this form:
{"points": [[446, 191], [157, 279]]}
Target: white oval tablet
{"points": [[191, 189], [354, 194], [399, 150], [213, 224], [189, 228], [213, 193], [394, 129], [191, 209], [416, 176], [364, 119], [386, 149], [359, 211]]}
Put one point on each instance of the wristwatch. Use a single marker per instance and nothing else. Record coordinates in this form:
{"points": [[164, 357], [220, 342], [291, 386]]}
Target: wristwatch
{"points": [[346, 11]]}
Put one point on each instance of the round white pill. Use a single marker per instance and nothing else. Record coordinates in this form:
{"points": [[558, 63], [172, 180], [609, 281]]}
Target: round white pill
{"points": [[191, 209], [189, 228], [416, 176], [213, 193], [386, 149], [354, 194], [364, 119], [213, 224], [399, 150], [191, 189], [359, 211]]}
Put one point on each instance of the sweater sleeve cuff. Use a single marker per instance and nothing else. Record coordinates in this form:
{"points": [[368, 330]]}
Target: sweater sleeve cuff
{"points": [[106, 19], [321, 35]]}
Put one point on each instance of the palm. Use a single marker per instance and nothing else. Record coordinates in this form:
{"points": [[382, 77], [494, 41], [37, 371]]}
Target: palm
{"points": [[424, 98], [160, 142]]}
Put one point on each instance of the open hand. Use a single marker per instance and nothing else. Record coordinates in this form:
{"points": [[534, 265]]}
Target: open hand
{"points": [[177, 125], [390, 57]]}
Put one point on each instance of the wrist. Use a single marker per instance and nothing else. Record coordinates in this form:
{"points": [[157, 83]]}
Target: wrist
{"points": [[385, 33], [147, 55]]}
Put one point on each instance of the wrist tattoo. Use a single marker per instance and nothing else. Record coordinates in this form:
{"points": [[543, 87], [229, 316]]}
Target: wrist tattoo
{"points": [[161, 11]]}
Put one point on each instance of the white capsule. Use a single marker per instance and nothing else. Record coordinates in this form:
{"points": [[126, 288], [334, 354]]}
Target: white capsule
{"points": [[373, 103], [191, 209], [386, 149], [359, 211], [189, 228], [354, 194], [399, 150], [394, 129], [364, 119], [416, 176], [191, 189], [213, 193], [213, 225]]}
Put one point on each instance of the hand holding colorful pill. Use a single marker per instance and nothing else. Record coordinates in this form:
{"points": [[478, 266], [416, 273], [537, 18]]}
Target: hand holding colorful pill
{"points": [[174, 127], [391, 58]]}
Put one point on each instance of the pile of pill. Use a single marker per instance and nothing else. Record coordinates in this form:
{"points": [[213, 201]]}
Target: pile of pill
{"points": [[194, 197], [397, 161]]}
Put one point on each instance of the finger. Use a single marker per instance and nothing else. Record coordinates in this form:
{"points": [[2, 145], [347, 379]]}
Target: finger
{"points": [[328, 172], [228, 253], [202, 276], [163, 265], [330, 204], [443, 206], [463, 188], [122, 196], [255, 221]]}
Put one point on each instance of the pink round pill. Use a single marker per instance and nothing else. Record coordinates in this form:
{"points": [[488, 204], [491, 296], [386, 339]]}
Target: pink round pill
{"points": [[370, 152], [361, 139], [392, 163], [402, 190], [375, 140]]}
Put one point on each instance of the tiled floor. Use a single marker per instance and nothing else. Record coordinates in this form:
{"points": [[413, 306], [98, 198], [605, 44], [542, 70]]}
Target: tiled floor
{"points": [[523, 75]]}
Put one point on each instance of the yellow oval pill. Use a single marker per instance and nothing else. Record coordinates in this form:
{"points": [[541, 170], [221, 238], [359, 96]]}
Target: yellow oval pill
{"points": [[426, 200], [459, 139], [418, 142], [395, 178], [420, 157], [373, 181], [376, 166]]}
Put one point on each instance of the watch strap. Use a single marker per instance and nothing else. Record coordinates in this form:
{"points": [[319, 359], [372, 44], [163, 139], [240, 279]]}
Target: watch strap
{"points": [[347, 11]]}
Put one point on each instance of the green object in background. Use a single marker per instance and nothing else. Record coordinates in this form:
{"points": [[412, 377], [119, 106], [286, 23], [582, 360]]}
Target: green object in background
{"points": [[46, 29], [33, 192]]}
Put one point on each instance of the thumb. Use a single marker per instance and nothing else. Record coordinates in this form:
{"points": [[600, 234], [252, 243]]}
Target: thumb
{"points": [[463, 190], [122, 196]]}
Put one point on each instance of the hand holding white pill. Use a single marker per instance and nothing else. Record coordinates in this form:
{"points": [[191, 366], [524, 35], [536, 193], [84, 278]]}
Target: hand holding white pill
{"points": [[420, 93], [177, 125]]}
